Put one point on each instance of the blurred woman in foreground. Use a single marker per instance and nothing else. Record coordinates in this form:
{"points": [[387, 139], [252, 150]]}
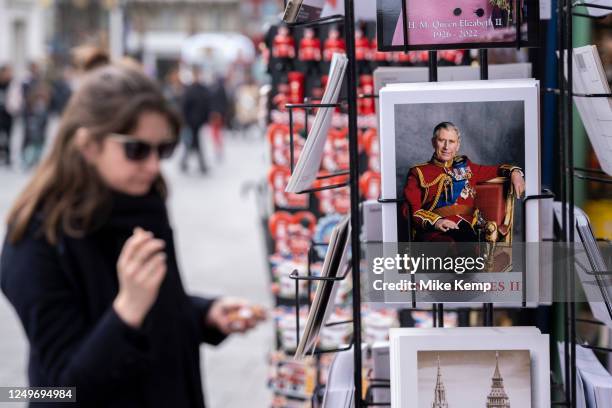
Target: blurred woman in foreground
{"points": [[89, 260]]}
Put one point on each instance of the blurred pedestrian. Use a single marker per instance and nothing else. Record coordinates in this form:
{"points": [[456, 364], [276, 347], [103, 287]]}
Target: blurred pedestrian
{"points": [[61, 90], [247, 105], [37, 101], [89, 261], [6, 118], [218, 114], [196, 111], [173, 89]]}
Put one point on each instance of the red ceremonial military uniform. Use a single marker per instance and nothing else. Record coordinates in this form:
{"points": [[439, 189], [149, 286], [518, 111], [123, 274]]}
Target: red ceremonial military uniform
{"points": [[446, 190]]}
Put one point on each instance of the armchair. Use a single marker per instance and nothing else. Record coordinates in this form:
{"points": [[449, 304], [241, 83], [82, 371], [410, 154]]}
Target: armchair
{"points": [[495, 201]]}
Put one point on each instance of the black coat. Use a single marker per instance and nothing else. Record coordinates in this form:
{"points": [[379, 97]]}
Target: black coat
{"points": [[219, 96], [196, 105], [6, 120], [63, 295]]}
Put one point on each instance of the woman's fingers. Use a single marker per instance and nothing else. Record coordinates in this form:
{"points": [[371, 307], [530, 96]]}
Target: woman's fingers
{"points": [[147, 250], [151, 270], [237, 326], [232, 306], [133, 244], [259, 312], [245, 318], [157, 275], [232, 315], [141, 269]]}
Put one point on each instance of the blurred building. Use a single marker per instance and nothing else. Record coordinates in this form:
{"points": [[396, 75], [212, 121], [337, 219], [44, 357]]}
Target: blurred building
{"points": [[154, 30], [151, 30], [78, 22], [22, 32]]}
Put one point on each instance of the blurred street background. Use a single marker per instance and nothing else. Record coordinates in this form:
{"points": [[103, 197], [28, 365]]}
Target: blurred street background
{"points": [[46, 45]]}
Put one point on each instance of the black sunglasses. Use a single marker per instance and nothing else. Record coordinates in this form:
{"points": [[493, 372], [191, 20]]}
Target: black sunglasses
{"points": [[137, 150]]}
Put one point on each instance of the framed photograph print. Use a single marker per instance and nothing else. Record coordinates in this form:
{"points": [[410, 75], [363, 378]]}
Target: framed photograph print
{"points": [[458, 24], [380, 351], [493, 131], [467, 378], [498, 369]]}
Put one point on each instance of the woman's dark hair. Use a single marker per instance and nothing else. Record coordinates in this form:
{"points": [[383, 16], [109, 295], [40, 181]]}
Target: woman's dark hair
{"points": [[66, 188], [89, 57]]}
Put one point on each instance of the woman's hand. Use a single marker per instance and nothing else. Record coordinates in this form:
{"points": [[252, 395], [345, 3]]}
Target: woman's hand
{"points": [[231, 315], [141, 269]]}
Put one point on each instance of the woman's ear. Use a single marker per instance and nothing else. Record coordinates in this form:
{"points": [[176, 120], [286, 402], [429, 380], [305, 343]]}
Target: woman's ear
{"points": [[86, 145]]}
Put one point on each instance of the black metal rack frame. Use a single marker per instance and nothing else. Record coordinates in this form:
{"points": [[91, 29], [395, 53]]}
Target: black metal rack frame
{"points": [[348, 20], [568, 171]]}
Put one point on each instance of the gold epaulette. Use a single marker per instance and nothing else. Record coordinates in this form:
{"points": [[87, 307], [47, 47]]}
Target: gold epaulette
{"points": [[419, 165]]}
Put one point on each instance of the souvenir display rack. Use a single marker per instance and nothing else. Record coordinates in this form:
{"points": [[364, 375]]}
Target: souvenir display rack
{"points": [[567, 172]]}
